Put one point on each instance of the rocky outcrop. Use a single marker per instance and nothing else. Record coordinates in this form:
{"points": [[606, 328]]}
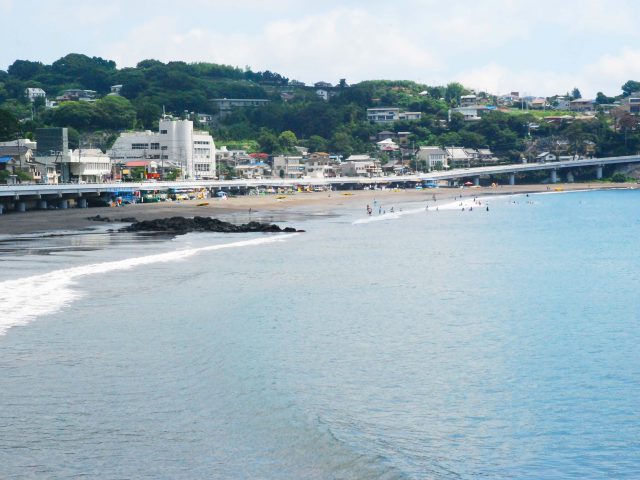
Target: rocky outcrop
{"points": [[181, 225]]}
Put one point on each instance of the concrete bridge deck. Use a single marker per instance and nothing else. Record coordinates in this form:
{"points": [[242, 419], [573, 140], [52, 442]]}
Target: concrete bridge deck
{"points": [[12, 193]]}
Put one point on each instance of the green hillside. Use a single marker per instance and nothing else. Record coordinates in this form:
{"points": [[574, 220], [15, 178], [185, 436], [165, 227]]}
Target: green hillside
{"points": [[295, 114]]}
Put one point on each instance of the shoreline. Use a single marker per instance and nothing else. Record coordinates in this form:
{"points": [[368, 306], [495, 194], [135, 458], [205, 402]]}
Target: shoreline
{"points": [[271, 208]]}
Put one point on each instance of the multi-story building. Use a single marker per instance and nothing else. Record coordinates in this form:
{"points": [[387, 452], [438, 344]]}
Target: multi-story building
{"points": [[632, 103], [320, 165], [434, 157], [176, 141], [390, 115], [360, 166], [285, 166], [227, 105], [581, 105]]}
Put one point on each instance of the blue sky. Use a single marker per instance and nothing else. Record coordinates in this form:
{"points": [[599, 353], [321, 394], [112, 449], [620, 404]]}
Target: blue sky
{"points": [[537, 47]]}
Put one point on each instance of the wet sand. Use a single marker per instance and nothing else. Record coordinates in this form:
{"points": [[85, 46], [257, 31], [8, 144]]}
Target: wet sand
{"points": [[272, 208]]}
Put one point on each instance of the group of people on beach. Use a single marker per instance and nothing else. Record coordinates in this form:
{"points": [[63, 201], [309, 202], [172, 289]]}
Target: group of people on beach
{"points": [[381, 211]]}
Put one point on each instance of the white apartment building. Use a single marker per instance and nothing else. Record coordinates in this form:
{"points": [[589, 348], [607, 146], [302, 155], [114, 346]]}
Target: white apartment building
{"points": [[175, 141]]}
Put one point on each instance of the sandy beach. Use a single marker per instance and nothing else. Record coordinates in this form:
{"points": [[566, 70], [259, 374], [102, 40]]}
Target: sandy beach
{"points": [[271, 208]]}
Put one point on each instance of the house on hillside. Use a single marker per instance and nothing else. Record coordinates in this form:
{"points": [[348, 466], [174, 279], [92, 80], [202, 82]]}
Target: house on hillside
{"points": [[78, 95], [384, 135], [538, 104], [322, 94], [434, 157], [471, 113], [403, 138], [390, 115], [582, 105], [387, 145], [468, 100], [226, 105], [486, 155], [457, 157], [33, 92]]}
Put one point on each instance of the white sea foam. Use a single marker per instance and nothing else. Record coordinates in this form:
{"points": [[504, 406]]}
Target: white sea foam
{"points": [[25, 299]]}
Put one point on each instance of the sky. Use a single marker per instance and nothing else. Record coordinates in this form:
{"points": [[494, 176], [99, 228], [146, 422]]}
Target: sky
{"points": [[535, 47]]}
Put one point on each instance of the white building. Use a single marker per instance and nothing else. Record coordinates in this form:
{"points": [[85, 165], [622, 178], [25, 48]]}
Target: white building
{"points": [[176, 141], [90, 165], [33, 93], [390, 114]]}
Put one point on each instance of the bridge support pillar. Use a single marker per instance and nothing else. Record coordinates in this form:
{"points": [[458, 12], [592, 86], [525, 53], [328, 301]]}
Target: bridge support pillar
{"points": [[512, 179], [82, 203], [599, 172], [570, 178], [554, 176], [1, 208], [476, 181], [42, 204], [20, 207], [63, 204]]}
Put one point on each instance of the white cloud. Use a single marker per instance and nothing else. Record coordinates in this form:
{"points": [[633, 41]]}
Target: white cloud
{"points": [[610, 72], [341, 43], [500, 79], [606, 73]]}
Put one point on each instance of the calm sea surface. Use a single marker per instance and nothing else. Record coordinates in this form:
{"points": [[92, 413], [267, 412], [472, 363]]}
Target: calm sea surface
{"points": [[425, 345]]}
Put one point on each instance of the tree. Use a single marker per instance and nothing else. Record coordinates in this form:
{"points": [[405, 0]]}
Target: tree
{"points": [[342, 142], [79, 115], [316, 143], [453, 93], [9, 126], [114, 112], [25, 69], [575, 93], [267, 140], [287, 140], [630, 87], [601, 99]]}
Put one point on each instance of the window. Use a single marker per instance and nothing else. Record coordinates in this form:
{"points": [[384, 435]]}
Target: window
{"points": [[164, 147], [155, 146], [139, 146], [163, 132]]}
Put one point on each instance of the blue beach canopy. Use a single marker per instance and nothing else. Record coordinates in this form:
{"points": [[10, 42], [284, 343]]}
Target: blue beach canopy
{"points": [[5, 159]]}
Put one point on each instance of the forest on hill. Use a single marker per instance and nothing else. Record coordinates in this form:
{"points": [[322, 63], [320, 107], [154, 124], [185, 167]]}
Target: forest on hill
{"points": [[295, 115]]}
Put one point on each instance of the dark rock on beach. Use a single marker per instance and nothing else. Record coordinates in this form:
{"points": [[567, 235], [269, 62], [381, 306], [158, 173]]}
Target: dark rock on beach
{"points": [[99, 218], [181, 225]]}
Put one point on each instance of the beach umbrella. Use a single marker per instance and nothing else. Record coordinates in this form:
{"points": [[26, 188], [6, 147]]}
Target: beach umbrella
{"points": [[468, 184]]}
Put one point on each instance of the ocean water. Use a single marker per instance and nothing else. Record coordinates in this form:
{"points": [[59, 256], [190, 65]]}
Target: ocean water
{"points": [[421, 344]]}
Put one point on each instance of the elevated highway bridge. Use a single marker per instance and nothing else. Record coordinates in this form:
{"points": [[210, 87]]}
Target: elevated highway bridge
{"points": [[41, 196]]}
